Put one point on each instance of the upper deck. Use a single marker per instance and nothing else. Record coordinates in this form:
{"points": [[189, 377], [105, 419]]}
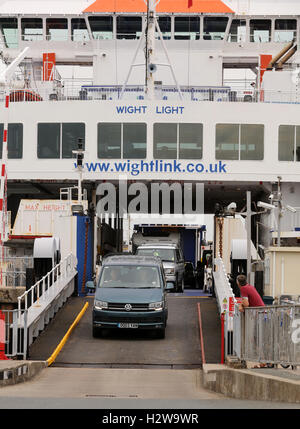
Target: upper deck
{"points": [[205, 41], [76, 30]]}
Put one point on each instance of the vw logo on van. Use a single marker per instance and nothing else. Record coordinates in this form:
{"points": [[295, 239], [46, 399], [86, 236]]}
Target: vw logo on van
{"points": [[128, 307]]}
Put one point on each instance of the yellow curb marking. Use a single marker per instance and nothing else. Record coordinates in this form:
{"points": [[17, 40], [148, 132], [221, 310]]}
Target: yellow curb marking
{"points": [[65, 338]]}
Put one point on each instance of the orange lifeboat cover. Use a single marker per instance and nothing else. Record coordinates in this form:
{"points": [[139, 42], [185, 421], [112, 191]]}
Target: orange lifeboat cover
{"points": [[164, 6]]}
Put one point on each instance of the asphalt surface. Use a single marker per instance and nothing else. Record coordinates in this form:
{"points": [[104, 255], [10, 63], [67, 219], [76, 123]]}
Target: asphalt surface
{"points": [[135, 349]]}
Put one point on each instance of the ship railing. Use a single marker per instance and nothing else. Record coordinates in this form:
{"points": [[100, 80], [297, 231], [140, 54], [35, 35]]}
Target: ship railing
{"points": [[13, 265], [13, 336], [49, 285], [43, 300], [75, 90], [13, 270], [222, 286]]}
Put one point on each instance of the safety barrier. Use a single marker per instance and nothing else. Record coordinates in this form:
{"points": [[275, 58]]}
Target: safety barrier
{"points": [[269, 334], [81, 91], [13, 337], [46, 297], [222, 287], [225, 300], [14, 270]]}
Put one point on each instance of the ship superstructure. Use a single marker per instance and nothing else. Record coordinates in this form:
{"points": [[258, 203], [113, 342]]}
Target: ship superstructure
{"points": [[196, 126]]}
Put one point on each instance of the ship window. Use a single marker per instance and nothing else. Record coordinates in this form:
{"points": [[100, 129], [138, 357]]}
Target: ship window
{"points": [[237, 31], [227, 141], [79, 30], [260, 30], [285, 30], [71, 132], [190, 141], [172, 141], [48, 140], [14, 141], [244, 142], [252, 142], [187, 28], [164, 23], [57, 29], [128, 139], [9, 31], [165, 141], [32, 29], [134, 141], [214, 28], [289, 143], [57, 140], [101, 27], [129, 27], [109, 140]]}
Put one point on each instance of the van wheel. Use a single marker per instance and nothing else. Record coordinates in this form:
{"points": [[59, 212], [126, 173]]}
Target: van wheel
{"points": [[95, 332], [161, 333], [180, 287]]}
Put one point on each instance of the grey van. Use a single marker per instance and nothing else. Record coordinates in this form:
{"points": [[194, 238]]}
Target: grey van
{"points": [[172, 259], [131, 294]]}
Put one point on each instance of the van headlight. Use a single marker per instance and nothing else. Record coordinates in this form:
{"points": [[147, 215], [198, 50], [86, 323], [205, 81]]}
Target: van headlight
{"points": [[156, 305], [170, 271], [100, 305]]}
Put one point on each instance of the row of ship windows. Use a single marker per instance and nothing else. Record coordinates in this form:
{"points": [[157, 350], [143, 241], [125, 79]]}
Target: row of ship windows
{"points": [[170, 141], [130, 27]]}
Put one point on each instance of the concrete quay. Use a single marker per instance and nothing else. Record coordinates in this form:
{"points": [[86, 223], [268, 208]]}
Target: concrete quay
{"points": [[261, 384], [18, 371]]}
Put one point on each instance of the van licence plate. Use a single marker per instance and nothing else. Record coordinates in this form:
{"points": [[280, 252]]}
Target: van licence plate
{"points": [[128, 325]]}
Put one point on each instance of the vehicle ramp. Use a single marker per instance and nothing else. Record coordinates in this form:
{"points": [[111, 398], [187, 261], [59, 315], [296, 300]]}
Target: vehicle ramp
{"points": [[188, 340]]}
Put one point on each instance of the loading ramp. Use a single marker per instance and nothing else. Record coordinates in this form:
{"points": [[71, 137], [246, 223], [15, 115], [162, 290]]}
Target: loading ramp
{"points": [[180, 349]]}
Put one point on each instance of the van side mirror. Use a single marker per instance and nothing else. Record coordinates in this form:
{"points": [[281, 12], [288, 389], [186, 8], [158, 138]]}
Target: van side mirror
{"points": [[90, 285]]}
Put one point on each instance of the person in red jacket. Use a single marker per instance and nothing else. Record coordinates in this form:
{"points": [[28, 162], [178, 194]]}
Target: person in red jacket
{"points": [[250, 296]]}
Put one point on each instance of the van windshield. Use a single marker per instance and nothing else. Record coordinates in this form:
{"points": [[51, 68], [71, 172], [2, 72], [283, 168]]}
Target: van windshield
{"points": [[163, 254], [130, 276]]}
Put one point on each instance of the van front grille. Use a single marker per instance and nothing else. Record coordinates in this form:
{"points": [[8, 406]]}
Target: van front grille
{"points": [[121, 307]]}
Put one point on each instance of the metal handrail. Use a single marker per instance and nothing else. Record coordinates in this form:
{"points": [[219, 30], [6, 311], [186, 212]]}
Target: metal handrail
{"points": [[223, 288], [81, 91], [61, 270]]}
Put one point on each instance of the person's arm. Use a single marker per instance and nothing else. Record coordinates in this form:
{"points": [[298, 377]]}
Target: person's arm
{"points": [[244, 303]]}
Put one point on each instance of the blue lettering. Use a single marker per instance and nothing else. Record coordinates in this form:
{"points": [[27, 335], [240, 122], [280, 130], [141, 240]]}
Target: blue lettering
{"points": [[119, 166], [120, 109], [222, 167], [131, 109], [177, 166], [169, 110]]}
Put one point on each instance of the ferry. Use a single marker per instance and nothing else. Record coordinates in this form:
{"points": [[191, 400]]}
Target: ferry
{"points": [[145, 91]]}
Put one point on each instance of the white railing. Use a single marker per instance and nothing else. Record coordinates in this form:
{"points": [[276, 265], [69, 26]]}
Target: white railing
{"points": [[81, 91], [49, 285], [222, 286]]}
